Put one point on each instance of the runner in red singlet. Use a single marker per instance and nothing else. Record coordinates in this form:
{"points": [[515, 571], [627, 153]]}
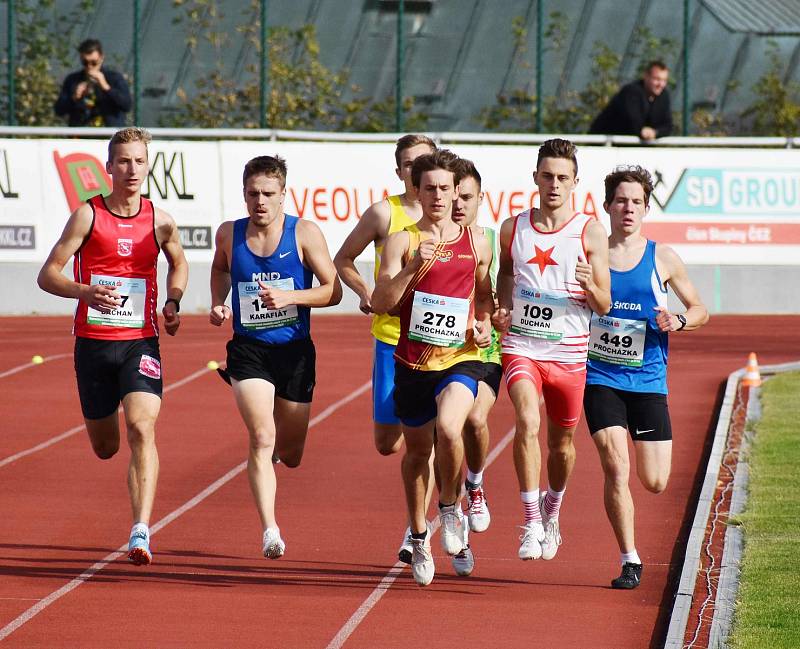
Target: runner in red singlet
{"points": [[115, 241], [435, 275]]}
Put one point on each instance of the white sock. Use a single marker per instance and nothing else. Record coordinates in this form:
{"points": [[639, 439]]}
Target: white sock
{"points": [[629, 557], [475, 478], [140, 527]]}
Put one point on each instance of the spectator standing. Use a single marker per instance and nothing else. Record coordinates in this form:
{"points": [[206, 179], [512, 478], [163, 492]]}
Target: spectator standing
{"points": [[94, 95], [640, 108]]}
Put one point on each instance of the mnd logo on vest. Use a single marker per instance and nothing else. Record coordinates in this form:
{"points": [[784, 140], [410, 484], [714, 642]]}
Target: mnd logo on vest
{"points": [[265, 277], [627, 306]]}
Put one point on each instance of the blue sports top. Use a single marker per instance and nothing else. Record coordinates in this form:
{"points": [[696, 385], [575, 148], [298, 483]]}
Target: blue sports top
{"points": [[282, 269], [627, 350]]}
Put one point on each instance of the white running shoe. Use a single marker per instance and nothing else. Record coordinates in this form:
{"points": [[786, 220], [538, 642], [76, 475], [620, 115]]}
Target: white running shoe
{"points": [[404, 553], [274, 547], [452, 521], [530, 546], [464, 561], [552, 533], [422, 560], [477, 510]]}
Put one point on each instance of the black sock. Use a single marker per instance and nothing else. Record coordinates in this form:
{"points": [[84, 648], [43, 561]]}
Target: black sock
{"points": [[442, 505], [419, 535]]}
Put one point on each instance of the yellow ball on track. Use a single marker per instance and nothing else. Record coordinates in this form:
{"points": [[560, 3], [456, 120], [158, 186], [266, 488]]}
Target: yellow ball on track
{"points": [[212, 365], [37, 360]]}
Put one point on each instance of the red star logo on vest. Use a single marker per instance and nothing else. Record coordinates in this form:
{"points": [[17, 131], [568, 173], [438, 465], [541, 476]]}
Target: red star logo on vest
{"points": [[542, 258]]}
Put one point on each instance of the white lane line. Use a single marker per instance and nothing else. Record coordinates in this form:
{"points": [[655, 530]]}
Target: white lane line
{"points": [[25, 366], [76, 429], [380, 590], [87, 574]]}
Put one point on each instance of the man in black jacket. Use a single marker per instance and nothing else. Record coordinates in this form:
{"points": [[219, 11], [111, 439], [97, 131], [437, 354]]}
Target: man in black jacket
{"points": [[95, 95], [640, 108]]}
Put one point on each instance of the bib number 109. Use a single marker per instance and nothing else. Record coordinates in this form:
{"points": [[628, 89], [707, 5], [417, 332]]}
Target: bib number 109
{"points": [[537, 312]]}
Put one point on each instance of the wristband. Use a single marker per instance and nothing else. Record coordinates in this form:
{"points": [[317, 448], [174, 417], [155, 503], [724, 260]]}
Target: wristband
{"points": [[175, 302]]}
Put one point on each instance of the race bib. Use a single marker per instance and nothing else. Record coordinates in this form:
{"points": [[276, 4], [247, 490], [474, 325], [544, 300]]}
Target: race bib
{"points": [[130, 312], [438, 319], [538, 313], [254, 315], [617, 340]]}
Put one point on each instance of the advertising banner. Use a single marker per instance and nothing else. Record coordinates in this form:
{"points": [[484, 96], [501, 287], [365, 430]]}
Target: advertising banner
{"points": [[715, 206]]}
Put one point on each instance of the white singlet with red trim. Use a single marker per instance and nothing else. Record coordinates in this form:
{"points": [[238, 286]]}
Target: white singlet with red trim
{"points": [[550, 317]]}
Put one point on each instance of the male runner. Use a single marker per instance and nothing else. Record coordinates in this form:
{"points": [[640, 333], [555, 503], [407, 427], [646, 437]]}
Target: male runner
{"points": [[476, 429], [435, 275], [269, 258], [626, 381], [115, 241], [376, 224], [553, 274]]}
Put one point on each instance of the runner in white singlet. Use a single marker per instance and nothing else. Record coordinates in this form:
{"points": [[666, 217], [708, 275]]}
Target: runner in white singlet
{"points": [[553, 274]]}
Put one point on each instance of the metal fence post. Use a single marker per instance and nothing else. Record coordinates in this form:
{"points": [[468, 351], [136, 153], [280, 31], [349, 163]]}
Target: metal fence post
{"points": [[539, 66], [137, 85], [12, 61], [398, 84], [685, 79], [263, 68]]}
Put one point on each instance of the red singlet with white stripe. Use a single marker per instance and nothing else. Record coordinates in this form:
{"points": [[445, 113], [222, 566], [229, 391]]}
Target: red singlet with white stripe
{"points": [[437, 310], [120, 252]]}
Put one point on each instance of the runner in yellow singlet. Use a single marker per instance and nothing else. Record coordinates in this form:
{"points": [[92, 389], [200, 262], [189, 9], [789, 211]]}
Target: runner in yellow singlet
{"points": [[374, 227]]}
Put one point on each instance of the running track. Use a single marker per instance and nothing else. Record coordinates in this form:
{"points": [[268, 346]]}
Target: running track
{"points": [[65, 514]]}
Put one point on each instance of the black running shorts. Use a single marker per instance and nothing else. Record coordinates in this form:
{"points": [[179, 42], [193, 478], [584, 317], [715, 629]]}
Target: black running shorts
{"points": [[415, 391], [644, 414], [107, 370], [493, 375], [290, 367]]}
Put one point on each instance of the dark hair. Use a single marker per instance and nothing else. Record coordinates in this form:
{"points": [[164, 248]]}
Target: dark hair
{"points": [[439, 159], [412, 139], [558, 148], [272, 166], [632, 174], [656, 63], [466, 169], [90, 45]]}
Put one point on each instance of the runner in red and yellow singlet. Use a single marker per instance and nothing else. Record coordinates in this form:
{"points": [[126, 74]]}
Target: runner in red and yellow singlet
{"points": [[436, 276], [376, 224], [116, 241]]}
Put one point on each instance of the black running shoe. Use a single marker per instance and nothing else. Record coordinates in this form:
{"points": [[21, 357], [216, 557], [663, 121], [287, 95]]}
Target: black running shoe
{"points": [[630, 577]]}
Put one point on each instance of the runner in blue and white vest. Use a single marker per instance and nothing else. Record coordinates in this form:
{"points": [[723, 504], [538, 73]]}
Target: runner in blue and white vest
{"points": [[626, 380], [269, 259]]}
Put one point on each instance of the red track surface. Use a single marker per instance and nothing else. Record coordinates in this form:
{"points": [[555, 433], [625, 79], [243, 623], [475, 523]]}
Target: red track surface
{"points": [[341, 514]]}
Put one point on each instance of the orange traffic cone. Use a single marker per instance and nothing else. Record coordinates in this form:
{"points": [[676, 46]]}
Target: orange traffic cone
{"points": [[752, 377]]}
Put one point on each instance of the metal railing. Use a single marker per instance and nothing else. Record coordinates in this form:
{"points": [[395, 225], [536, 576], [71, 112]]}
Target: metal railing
{"points": [[274, 135]]}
